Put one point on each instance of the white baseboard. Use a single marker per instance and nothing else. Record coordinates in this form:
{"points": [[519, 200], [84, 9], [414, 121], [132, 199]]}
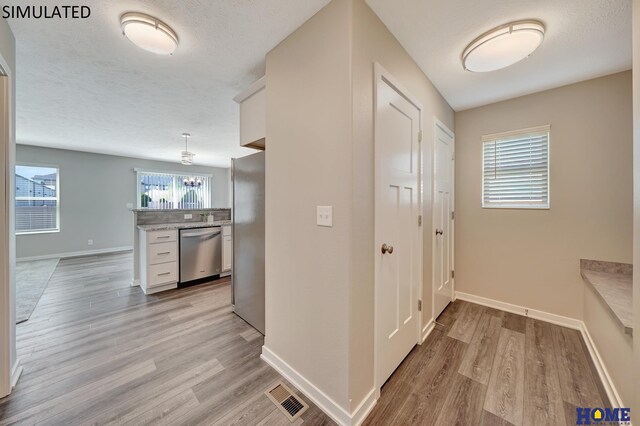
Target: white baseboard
{"points": [[319, 398], [427, 329], [573, 323], [607, 382], [76, 254], [135, 282], [16, 372], [521, 310]]}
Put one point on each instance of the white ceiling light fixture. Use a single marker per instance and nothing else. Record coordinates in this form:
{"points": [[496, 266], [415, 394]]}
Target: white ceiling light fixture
{"points": [[503, 46], [149, 33], [187, 157]]}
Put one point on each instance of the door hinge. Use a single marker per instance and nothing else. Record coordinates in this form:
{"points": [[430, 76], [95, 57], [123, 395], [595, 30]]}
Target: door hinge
{"points": [[453, 274], [419, 305], [420, 220], [420, 136], [453, 215]]}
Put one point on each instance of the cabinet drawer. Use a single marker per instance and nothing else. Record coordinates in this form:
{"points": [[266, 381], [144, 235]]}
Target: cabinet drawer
{"points": [[226, 231], [163, 273], [154, 237], [162, 253]]}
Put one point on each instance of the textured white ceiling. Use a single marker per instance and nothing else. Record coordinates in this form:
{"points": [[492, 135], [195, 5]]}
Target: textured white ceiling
{"points": [[584, 39], [81, 85]]}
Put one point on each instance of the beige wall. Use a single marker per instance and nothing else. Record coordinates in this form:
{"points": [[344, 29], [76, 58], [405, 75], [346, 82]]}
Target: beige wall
{"points": [[320, 281], [636, 203], [614, 345], [373, 42], [308, 163], [531, 257], [8, 357]]}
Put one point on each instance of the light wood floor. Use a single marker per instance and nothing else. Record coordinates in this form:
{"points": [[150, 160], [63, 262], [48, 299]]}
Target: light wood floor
{"points": [[488, 367], [97, 351]]}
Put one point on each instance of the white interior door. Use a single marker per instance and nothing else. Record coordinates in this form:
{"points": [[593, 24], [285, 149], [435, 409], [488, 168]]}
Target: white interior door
{"points": [[442, 219], [397, 232]]}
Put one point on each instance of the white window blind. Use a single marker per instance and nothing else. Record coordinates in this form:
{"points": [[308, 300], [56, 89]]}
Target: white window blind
{"points": [[37, 199], [515, 169], [158, 190]]}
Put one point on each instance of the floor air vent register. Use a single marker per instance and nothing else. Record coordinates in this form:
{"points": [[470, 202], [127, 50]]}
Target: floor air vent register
{"points": [[288, 402]]}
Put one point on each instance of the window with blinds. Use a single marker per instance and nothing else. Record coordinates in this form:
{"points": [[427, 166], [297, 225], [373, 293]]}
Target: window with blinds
{"points": [[37, 199], [515, 169], [157, 190]]}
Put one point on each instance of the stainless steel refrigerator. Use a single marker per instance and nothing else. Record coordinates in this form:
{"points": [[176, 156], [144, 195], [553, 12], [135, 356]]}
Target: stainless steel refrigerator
{"points": [[247, 174]]}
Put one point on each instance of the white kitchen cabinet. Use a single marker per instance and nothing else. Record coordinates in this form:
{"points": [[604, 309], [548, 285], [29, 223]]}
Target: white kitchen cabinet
{"points": [[158, 260], [253, 115], [227, 250]]}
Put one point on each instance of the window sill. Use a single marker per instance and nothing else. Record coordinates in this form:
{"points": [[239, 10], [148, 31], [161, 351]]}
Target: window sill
{"points": [[515, 207], [47, 231]]}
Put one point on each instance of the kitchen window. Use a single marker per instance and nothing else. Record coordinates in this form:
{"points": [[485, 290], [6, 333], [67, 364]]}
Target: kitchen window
{"points": [[162, 190], [515, 169], [37, 199]]}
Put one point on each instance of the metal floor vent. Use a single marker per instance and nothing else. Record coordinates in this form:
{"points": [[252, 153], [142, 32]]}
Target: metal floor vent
{"points": [[288, 402]]}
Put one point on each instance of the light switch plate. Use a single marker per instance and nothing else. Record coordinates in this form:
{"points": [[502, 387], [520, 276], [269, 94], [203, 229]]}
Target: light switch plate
{"points": [[324, 216], [188, 216]]}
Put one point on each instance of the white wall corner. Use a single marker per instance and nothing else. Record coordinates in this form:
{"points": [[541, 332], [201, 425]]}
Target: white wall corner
{"points": [[572, 323], [318, 397]]}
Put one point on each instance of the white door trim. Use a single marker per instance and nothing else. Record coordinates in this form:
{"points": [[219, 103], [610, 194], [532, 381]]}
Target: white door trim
{"points": [[8, 373], [439, 124], [380, 73]]}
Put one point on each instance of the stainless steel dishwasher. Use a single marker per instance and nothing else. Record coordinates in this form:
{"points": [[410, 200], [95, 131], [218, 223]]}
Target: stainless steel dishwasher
{"points": [[200, 253]]}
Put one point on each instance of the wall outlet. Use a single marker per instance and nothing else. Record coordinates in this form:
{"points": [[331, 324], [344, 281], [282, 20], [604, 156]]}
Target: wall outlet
{"points": [[89, 242], [188, 216], [324, 216]]}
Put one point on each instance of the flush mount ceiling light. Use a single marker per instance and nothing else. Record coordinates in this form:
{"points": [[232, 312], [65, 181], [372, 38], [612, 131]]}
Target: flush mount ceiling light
{"points": [[187, 157], [503, 46], [149, 33]]}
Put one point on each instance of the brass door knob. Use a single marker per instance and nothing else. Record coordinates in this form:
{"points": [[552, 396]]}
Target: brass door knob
{"points": [[387, 248]]}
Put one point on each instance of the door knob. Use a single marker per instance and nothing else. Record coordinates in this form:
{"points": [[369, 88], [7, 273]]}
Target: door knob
{"points": [[387, 248], [439, 231]]}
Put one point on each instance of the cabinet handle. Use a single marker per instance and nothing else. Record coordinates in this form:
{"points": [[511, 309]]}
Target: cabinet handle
{"points": [[164, 273], [164, 252], [164, 236]]}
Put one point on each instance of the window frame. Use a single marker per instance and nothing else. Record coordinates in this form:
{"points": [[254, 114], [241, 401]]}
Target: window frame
{"points": [[139, 171], [57, 198], [510, 134]]}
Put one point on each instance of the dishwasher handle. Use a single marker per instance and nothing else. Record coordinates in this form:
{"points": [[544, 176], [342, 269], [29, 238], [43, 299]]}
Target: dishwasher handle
{"points": [[199, 232]]}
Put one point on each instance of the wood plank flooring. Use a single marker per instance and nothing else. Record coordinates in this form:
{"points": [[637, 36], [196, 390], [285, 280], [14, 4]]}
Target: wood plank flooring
{"points": [[481, 366], [98, 351]]}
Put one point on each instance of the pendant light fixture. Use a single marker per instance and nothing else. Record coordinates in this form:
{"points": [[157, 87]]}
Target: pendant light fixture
{"points": [[503, 46], [187, 157]]}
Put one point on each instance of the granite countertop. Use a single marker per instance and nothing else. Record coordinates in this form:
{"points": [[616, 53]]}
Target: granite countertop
{"points": [[178, 210], [613, 282], [187, 225]]}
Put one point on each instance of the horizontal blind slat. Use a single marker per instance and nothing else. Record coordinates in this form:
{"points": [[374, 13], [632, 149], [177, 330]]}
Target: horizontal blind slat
{"points": [[516, 170]]}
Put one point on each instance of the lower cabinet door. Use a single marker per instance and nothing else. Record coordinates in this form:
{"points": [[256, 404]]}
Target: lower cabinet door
{"points": [[226, 253]]}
